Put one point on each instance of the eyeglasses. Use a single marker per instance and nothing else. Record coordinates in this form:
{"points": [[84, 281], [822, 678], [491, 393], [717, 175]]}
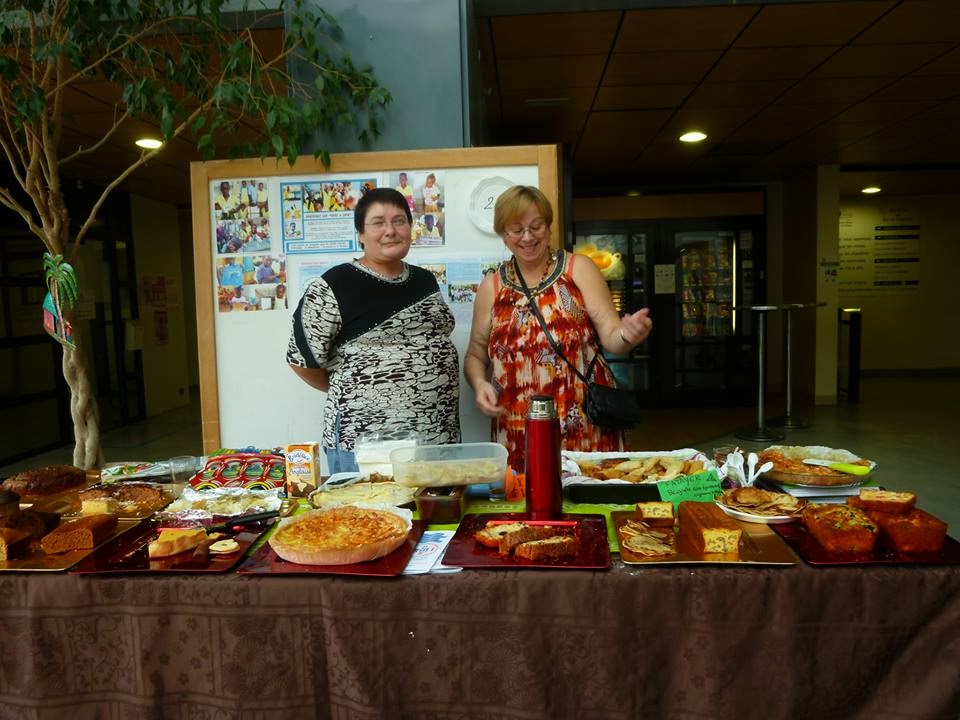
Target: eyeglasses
{"points": [[398, 223], [534, 228]]}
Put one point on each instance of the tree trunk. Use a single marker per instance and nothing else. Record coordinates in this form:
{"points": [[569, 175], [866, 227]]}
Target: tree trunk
{"points": [[83, 409]]}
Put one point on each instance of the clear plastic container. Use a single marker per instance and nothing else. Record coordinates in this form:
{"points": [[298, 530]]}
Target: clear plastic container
{"points": [[372, 452], [448, 465]]}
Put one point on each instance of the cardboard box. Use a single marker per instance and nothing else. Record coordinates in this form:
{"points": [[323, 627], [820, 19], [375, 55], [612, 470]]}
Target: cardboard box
{"points": [[303, 468]]}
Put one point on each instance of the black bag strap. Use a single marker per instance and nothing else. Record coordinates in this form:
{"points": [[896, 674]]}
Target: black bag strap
{"points": [[584, 377]]}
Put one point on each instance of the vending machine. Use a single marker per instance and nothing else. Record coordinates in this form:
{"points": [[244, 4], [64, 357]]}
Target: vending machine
{"points": [[698, 278], [712, 328], [621, 258]]}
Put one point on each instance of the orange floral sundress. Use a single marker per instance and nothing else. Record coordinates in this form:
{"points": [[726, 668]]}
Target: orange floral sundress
{"points": [[524, 363]]}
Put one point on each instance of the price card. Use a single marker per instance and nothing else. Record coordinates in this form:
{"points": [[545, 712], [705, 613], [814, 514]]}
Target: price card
{"points": [[702, 487]]}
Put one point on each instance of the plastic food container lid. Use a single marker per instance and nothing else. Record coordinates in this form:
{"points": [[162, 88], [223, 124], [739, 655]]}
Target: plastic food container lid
{"points": [[447, 465]]}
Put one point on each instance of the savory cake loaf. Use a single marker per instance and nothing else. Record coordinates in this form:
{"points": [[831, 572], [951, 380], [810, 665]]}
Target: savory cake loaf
{"points": [[707, 528], [841, 528], [550, 548], [84, 533], [46, 480], [656, 513], [13, 543], [913, 531]]}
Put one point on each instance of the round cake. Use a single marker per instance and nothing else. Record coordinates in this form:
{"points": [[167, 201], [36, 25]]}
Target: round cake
{"points": [[341, 535]]}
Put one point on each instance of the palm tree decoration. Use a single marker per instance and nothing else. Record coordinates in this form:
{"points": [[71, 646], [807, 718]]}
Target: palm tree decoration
{"points": [[62, 285]]}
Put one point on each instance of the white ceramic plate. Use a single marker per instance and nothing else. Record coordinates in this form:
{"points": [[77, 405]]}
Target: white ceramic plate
{"points": [[482, 200], [764, 519]]}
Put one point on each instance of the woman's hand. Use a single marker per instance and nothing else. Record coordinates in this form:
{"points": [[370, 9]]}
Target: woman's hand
{"points": [[617, 335], [635, 328], [487, 400]]}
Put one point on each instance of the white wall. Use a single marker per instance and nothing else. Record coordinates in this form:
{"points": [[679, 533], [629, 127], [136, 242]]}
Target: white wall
{"points": [[156, 241]]}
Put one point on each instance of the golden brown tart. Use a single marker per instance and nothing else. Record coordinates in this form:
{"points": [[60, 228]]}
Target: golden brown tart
{"points": [[341, 535]]}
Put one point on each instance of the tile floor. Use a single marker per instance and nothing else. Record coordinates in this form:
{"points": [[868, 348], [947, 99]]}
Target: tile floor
{"points": [[907, 424]]}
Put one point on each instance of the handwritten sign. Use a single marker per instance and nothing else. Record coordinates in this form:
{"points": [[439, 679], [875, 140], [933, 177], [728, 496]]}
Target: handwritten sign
{"points": [[703, 487]]}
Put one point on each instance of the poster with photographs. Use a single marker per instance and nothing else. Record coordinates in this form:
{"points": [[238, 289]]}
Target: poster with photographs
{"points": [[318, 215], [423, 191], [241, 213], [251, 282]]}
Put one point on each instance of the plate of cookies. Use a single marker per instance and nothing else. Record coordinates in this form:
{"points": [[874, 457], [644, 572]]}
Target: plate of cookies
{"points": [[751, 504]]}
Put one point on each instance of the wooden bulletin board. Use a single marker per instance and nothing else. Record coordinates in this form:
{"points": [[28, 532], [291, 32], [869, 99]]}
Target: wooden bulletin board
{"points": [[248, 394]]}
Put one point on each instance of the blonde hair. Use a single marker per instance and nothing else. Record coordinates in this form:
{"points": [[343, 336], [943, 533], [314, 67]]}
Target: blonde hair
{"points": [[514, 202]]}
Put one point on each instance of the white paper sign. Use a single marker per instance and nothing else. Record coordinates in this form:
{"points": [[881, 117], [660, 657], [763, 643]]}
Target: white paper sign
{"points": [[664, 279]]}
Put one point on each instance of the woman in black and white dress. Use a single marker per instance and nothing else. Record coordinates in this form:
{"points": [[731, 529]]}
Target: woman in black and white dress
{"points": [[374, 334]]}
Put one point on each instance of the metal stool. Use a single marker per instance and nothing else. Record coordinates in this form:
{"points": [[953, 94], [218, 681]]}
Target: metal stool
{"points": [[789, 422], [760, 433]]}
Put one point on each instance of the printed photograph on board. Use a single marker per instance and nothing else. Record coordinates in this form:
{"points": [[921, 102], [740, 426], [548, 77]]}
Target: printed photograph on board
{"points": [[241, 215]]}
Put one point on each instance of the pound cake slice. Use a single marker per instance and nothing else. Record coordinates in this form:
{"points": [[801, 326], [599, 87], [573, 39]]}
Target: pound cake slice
{"points": [[84, 533], [510, 540], [656, 513], [491, 534], [883, 500], [551, 548], [841, 528], [708, 529]]}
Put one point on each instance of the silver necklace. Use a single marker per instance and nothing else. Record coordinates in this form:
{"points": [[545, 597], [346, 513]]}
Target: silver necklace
{"points": [[404, 274]]}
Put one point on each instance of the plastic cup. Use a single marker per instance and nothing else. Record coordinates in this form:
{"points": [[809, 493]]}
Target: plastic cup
{"points": [[182, 469]]}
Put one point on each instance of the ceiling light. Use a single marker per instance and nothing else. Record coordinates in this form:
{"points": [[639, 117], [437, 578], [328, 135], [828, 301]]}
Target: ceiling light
{"points": [[694, 136], [870, 190], [148, 143]]}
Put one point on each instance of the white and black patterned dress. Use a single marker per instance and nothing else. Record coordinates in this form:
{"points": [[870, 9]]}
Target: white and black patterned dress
{"points": [[386, 346]]}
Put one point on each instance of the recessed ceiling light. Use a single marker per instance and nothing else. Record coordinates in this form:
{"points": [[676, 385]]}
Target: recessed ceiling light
{"points": [[149, 143], [870, 190], [694, 136]]}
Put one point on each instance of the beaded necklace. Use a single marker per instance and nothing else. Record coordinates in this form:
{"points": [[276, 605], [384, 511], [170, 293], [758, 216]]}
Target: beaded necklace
{"points": [[547, 271]]}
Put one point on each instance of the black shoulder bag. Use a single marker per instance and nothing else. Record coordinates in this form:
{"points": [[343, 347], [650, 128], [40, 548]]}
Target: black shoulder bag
{"points": [[604, 406]]}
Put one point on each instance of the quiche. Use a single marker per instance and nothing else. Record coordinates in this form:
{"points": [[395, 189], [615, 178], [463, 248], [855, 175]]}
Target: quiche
{"points": [[340, 535]]}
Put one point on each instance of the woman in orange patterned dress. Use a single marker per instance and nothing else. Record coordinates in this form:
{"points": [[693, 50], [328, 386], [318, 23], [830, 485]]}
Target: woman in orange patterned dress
{"points": [[509, 358]]}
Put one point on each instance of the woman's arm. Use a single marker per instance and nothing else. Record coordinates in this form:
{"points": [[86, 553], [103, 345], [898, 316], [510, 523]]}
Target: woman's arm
{"points": [[617, 335], [476, 361], [314, 377]]}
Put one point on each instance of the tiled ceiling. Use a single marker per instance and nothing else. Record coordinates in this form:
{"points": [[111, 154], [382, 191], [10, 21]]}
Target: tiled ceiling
{"points": [[871, 85]]}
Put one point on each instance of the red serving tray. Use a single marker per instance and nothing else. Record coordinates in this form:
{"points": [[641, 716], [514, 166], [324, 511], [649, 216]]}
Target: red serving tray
{"points": [[266, 562], [465, 551], [812, 552], [129, 553]]}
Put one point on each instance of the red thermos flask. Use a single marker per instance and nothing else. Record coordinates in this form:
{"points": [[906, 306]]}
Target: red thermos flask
{"points": [[544, 492]]}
